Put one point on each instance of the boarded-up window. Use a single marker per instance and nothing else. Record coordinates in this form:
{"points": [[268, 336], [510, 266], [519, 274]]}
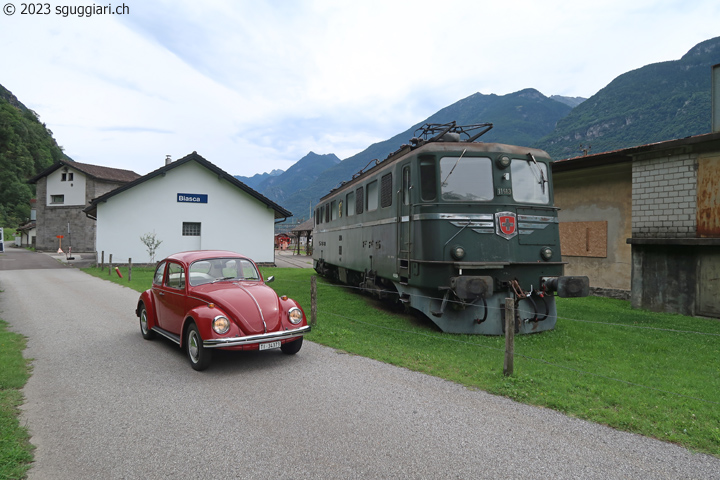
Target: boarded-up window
{"points": [[583, 239]]}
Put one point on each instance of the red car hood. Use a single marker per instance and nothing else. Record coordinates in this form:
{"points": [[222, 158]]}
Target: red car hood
{"points": [[247, 304]]}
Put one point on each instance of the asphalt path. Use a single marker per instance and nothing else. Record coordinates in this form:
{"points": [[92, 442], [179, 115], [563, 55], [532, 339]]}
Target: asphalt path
{"points": [[104, 403], [21, 259]]}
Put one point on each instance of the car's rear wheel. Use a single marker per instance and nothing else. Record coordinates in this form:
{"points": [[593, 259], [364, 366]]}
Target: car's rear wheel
{"points": [[199, 356], [144, 329], [291, 348]]}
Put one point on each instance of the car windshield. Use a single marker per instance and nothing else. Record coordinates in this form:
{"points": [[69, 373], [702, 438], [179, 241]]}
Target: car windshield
{"points": [[222, 269]]}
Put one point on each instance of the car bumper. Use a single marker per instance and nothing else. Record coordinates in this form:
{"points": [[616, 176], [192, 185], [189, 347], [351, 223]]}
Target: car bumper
{"points": [[250, 339]]}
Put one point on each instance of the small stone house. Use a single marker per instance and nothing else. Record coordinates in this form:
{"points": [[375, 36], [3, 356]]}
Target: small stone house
{"points": [[63, 191]]}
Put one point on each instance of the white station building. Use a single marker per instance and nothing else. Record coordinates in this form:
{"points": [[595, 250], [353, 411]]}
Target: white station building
{"points": [[189, 204]]}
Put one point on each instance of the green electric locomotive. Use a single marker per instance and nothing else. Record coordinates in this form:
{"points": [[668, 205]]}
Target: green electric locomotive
{"points": [[451, 227]]}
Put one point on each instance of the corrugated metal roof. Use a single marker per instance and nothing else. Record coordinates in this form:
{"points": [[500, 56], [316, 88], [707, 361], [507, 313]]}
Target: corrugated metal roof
{"points": [[695, 142]]}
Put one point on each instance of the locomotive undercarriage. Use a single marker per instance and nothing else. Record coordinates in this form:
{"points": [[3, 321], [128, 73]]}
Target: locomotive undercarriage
{"points": [[481, 314], [469, 304]]}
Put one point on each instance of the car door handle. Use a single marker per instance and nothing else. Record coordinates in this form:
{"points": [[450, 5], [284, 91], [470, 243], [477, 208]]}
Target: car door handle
{"points": [[162, 294]]}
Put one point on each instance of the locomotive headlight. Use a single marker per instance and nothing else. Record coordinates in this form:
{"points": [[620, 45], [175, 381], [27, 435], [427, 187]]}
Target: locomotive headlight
{"points": [[220, 324], [503, 162], [458, 252], [295, 315], [546, 253]]}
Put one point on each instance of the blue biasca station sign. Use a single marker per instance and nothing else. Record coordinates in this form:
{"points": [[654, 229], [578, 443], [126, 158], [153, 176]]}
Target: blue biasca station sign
{"points": [[192, 198]]}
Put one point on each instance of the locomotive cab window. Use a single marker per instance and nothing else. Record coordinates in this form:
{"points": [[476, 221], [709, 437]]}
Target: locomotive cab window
{"points": [[466, 179], [530, 182], [406, 185], [333, 211]]}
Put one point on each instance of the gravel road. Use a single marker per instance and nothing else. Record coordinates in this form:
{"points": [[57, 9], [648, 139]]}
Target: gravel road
{"points": [[104, 403]]}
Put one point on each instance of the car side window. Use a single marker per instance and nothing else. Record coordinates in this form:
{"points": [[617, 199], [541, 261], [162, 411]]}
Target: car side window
{"points": [[176, 276], [159, 272]]}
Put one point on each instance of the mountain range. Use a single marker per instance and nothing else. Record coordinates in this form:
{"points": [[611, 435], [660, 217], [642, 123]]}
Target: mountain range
{"points": [[661, 101], [657, 102]]}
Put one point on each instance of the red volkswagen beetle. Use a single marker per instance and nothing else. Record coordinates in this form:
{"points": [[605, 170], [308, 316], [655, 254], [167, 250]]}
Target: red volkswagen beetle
{"points": [[208, 299]]}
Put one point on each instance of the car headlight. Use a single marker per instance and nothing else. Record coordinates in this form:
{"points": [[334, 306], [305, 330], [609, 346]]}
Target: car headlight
{"points": [[221, 324], [295, 315]]}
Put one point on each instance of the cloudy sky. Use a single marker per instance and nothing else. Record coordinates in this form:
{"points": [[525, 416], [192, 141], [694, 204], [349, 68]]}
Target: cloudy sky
{"points": [[255, 85]]}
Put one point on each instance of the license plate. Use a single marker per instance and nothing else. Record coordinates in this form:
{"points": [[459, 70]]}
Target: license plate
{"points": [[268, 346]]}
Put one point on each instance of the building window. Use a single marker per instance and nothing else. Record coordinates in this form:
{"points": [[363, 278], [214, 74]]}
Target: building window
{"points": [[191, 229], [57, 199], [66, 177]]}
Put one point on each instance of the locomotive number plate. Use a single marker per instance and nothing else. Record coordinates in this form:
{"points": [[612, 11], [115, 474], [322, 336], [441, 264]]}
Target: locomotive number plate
{"points": [[504, 191]]}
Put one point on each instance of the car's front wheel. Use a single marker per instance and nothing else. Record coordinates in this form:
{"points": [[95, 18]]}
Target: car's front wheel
{"points": [[199, 356], [146, 332], [291, 348]]}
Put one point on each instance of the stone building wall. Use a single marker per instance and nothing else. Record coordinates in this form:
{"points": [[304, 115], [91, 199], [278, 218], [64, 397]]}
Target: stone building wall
{"points": [[664, 197], [53, 220]]}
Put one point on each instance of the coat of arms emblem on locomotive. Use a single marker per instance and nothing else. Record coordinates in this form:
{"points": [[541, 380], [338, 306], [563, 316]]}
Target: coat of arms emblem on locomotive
{"points": [[506, 225]]}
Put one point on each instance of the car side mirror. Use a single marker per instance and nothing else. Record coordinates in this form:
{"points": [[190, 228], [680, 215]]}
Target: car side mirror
{"points": [[270, 279]]}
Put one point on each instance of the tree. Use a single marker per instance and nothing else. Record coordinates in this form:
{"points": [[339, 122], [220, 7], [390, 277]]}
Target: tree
{"points": [[151, 242]]}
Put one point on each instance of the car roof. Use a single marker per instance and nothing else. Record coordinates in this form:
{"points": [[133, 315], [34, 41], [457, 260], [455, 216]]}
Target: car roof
{"points": [[195, 255]]}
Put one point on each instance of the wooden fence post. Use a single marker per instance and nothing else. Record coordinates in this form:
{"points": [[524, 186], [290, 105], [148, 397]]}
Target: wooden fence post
{"points": [[129, 269], [509, 336], [110, 262], [102, 260], [313, 301]]}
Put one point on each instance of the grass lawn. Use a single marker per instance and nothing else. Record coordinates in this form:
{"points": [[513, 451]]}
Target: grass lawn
{"points": [[650, 373], [15, 447]]}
